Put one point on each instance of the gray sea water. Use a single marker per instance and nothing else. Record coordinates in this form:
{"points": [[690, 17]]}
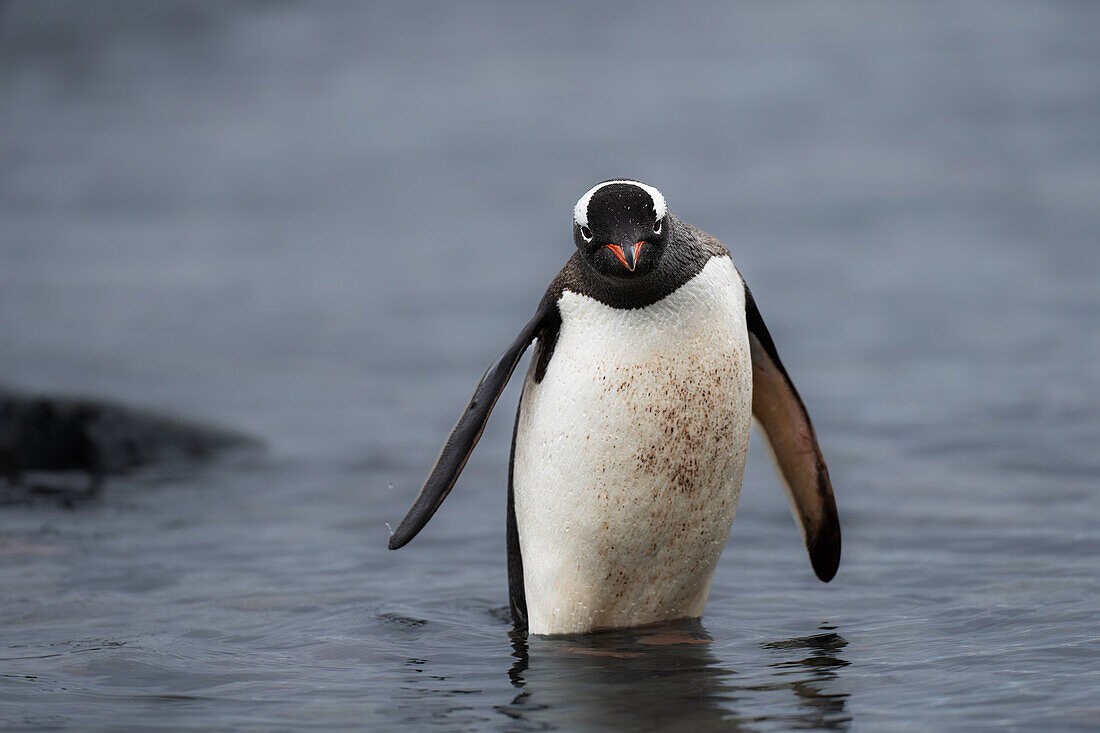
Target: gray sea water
{"points": [[317, 223]]}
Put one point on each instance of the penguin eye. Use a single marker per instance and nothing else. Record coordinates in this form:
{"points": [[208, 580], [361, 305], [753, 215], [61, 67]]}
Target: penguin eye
{"points": [[586, 233], [657, 227]]}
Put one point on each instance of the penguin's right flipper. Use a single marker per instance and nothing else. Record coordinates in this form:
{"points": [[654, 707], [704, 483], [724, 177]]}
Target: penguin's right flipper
{"points": [[786, 426], [467, 431]]}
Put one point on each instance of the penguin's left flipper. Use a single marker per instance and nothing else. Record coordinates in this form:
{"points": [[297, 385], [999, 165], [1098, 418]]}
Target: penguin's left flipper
{"points": [[786, 426], [467, 431]]}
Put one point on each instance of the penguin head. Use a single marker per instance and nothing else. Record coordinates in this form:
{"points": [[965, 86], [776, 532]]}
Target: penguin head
{"points": [[621, 228]]}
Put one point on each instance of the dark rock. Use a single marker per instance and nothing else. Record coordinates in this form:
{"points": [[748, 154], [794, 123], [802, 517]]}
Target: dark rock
{"points": [[97, 438]]}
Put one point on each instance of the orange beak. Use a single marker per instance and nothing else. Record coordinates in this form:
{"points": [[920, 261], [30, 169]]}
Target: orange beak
{"points": [[627, 255]]}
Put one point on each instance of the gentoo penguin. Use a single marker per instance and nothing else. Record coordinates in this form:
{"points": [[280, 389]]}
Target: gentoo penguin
{"points": [[633, 425]]}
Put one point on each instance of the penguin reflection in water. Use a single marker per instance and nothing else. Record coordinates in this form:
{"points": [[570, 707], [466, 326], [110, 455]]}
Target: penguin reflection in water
{"points": [[633, 426]]}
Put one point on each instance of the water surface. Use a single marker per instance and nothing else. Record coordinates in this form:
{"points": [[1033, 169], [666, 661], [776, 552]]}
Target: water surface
{"points": [[318, 224]]}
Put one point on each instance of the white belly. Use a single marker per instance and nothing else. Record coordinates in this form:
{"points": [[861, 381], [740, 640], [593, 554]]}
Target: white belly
{"points": [[630, 454]]}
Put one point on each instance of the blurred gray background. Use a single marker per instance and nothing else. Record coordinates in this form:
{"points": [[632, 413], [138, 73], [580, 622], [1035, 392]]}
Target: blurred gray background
{"points": [[275, 213], [318, 223]]}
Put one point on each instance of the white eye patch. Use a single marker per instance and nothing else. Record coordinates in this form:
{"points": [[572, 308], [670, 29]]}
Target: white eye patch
{"points": [[580, 211]]}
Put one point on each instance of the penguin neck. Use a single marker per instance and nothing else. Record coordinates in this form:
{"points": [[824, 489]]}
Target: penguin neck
{"points": [[625, 293]]}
